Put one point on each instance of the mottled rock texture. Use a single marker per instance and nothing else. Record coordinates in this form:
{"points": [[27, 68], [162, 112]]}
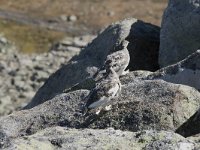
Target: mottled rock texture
{"points": [[64, 138], [21, 75], [180, 32]]}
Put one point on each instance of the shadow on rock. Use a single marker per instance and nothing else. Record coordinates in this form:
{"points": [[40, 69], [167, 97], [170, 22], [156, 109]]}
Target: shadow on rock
{"points": [[144, 43], [191, 126]]}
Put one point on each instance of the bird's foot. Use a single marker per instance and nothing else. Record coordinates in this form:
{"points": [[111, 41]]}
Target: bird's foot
{"points": [[98, 111], [108, 107]]}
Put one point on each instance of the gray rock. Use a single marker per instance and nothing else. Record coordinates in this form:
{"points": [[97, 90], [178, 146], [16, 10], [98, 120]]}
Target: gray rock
{"points": [[143, 48], [72, 44], [4, 140], [72, 49], [185, 72], [141, 73], [19, 85], [111, 13], [21, 75], [72, 18], [150, 105], [3, 40], [4, 104], [142, 105], [196, 139], [64, 138], [82, 41], [62, 111], [180, 32], [63, 17], [5, 45]]}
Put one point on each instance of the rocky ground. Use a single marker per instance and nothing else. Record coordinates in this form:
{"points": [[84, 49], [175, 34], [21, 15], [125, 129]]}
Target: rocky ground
{"points": [[22, 75], [157, 107]]}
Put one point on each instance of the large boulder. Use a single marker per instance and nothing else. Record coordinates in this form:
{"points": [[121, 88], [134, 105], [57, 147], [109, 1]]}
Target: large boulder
{"points": [[180, 32], [149, 105], [143, 48], [64, 138], [58, 111], [142, 105], [185, 72]]}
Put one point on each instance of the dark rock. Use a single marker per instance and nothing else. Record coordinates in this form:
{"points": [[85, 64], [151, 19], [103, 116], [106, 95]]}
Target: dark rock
{"points": [[191, 126], [144, 43]]}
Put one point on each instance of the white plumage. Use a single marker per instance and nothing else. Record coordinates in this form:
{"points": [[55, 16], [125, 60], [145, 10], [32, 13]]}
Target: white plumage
{"points": [[106, 89], [119, 61]]}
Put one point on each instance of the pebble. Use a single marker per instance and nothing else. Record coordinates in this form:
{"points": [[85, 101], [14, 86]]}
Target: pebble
{"points": [[111, 13], [79, 42], [72, 18], [73, 49], [63, 17]]}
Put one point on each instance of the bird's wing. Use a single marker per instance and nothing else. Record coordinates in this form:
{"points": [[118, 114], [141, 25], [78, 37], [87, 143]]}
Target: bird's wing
{"points": [[120, 60], [103, 101], [115, 56], [114, 90], [91, 97]]}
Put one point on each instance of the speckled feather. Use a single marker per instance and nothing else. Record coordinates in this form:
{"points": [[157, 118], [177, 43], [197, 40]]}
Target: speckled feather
{"points": [[105, 90], [102, 90], [120, 60]]}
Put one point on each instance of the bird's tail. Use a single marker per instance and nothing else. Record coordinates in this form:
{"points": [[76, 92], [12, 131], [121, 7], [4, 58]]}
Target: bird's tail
{"points": [[100, 103]]}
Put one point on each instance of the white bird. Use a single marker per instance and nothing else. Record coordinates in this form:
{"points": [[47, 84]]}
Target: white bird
{"points": [[119, 61], [106, 89]]}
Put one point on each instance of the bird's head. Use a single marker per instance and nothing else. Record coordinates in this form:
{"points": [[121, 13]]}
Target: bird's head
{"points": [[124, 44], [108, 64]]}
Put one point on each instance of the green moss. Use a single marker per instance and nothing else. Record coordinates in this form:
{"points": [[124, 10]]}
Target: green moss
{"points": [[27, 38]]}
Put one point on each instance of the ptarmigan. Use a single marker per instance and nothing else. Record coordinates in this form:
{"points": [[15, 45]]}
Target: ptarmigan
{"points": [[119, 61], [106, 89]]}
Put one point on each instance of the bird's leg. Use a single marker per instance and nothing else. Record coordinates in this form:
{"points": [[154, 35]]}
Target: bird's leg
{"points": [[98, 111], [85, 111], [119, 91], [125, 72], [107, 108]]}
